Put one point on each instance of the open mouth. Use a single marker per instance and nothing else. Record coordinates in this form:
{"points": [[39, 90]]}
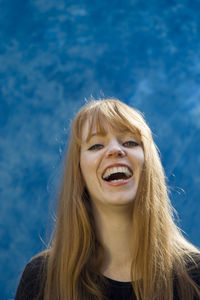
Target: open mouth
{"points": [[115, 174]]}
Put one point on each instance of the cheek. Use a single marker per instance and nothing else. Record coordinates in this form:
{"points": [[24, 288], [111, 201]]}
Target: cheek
{"points": [[89, 161], [87, 167], [86, 174], [139, 161]]}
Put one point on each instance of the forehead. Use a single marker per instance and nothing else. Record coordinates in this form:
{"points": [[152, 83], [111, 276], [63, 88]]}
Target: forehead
{"points": [[89, 130]]}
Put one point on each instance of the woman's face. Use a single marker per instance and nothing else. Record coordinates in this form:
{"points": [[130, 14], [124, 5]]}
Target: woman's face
{"points": [[111, 165]]}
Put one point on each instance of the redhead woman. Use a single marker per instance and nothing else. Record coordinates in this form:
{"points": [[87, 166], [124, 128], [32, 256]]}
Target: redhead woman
{"points": [[115, 236]]}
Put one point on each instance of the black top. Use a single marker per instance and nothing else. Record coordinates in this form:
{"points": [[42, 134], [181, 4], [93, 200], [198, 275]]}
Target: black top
{"points": [[30, 283], [118, 290]]}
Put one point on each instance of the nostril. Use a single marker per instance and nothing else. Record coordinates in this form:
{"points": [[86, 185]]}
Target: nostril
{"points": [[116, 152], [121, 153]]}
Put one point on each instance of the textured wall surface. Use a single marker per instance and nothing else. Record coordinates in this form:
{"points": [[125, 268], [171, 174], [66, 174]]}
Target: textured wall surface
{"points": [[53, 55]]}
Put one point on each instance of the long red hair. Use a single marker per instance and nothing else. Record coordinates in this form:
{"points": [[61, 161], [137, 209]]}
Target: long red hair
{"points": [[160, 253]]}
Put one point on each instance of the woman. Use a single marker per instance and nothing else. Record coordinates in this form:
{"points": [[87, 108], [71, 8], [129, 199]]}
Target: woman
{"points": [[115, 235]]}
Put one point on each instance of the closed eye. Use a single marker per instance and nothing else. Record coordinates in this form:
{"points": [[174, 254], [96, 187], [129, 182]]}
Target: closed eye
{"points": [[130, 144], [95, 147]]}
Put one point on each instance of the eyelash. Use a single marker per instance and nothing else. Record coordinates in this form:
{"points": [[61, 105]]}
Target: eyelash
{"points": [[128, 144], [131, 144], [95, 147]]}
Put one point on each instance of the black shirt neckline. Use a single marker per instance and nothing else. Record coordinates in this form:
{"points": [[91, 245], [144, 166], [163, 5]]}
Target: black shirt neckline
{"points": [[118, 283]]}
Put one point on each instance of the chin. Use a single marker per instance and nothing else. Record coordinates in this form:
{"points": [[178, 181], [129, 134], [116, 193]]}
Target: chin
{"points": [[120, 201]]}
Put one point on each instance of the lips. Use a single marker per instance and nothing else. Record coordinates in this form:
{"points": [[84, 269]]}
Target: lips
{"points": [[117, 173]]}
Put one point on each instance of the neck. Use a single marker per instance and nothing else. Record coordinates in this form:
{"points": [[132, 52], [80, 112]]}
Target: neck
{"points": [[114, 227]]}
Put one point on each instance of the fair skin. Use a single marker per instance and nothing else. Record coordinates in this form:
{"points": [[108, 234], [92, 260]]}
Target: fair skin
{"points": [[111, 166]]}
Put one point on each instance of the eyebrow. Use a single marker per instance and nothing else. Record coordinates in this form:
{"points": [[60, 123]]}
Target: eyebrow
{"points": [[95, 134]]}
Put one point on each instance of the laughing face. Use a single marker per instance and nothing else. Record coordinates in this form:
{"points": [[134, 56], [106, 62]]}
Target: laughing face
{"points": [[111, 165]]}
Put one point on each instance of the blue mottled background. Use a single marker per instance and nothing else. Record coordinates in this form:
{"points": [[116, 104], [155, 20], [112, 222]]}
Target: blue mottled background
{"points": [[53, 55]]}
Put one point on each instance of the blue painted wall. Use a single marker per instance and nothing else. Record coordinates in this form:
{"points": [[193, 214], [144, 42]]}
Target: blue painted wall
{"points": [[53, 54]]}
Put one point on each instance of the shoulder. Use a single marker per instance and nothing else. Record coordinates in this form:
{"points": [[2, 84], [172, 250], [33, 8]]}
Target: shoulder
{"points": [[33, 278]]}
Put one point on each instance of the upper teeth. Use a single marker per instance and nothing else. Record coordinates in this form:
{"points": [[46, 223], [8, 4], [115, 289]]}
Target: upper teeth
{"points": [[113, 170]]}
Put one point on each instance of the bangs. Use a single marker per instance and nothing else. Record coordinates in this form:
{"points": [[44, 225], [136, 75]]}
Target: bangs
{"points": [[108, 113]]}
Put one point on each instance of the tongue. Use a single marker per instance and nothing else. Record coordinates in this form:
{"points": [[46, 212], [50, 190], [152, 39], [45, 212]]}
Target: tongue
{"points": [[117, 176]]}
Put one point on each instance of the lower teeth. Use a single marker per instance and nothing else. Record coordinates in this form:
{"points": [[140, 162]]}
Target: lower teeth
{"points": [[117, 180]]}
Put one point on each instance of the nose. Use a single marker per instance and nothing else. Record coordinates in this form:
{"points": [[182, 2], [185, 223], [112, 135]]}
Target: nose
{"points": [[115, 149]]}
